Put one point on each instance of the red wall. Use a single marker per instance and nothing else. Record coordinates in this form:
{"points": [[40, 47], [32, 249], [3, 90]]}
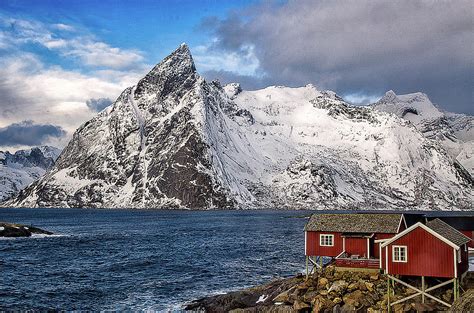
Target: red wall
{"points": [[427, 255], [313, 248], [356, 246]]}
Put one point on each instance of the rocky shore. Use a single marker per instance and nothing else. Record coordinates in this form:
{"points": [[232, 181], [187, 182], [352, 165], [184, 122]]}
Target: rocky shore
{"points": [[328, 291], [19, 230]]}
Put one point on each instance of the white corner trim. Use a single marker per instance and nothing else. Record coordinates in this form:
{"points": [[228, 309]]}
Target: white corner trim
{"points": [[419, 224], [386, 260], [455, 263], [305, 242], [368, 248], [380, 256], [343, 244], [402, 219]]}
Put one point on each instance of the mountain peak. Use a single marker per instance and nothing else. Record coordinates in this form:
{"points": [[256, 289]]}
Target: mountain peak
{"points": [[172, 71]]}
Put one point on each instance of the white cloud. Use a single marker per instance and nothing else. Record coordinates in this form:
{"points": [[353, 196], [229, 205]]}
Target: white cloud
{"points": [[242, 62], [100, 54], [86, 48], [29, 90], [64, 27]]}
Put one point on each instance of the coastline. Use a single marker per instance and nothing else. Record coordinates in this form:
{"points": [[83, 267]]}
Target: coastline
{"points": [[332, 290]]}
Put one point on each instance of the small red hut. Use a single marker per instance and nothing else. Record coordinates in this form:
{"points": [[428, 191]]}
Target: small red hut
{"points": [[434, 250], [351, 238]]}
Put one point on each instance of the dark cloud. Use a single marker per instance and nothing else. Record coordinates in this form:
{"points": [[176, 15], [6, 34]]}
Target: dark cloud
{"points": [[98, 104], [27, 133], [361, 47]]}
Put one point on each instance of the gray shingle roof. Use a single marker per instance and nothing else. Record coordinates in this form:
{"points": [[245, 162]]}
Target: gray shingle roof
{"points": [[354, 222], [448, 232]]}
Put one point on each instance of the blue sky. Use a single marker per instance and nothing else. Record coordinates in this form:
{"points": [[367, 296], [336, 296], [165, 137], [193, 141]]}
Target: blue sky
{"points": [[153, 27], [62, 61]]}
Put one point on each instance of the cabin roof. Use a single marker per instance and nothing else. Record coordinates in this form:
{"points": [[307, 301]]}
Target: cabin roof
{"points": [[458, 222], [354, 222], [448, 232]]}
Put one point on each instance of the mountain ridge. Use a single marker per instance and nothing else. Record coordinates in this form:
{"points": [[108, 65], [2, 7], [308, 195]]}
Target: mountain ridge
{"points": [[175, 140]]}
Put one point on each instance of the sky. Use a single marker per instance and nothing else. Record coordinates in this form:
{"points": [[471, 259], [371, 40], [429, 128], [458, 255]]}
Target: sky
{"points": [[63, 61]]}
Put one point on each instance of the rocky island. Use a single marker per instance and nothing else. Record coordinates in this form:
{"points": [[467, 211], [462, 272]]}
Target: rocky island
{"points": [[19, 230], [330, 291]]}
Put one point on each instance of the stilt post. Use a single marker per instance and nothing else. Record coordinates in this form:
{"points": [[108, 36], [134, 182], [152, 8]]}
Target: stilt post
{"points": [[321, 263], [307, 267], [423, 289], [388, 295]]}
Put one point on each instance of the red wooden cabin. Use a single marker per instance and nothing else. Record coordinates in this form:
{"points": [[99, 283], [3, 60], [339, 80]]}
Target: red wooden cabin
{"points": [[434, 250], [351, 238]]}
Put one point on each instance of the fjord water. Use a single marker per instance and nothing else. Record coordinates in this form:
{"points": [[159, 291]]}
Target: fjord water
{"points": [[148, 260]]}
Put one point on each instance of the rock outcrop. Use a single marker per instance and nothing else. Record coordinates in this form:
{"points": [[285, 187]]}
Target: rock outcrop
{"points": [[18, 230], [329, 291]]}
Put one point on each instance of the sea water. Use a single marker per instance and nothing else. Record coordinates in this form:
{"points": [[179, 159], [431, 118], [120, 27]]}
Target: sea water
{"points": [[143, 260]]}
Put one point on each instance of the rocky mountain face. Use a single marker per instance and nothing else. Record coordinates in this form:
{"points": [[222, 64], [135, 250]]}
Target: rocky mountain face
{"points": [[455, 132], [175, 140], [20, 169]]}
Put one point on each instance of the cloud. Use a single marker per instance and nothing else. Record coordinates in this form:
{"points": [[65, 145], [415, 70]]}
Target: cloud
{"points": [[98, 105], [31, 90], [83, 47], [242, 61], [29, 134], [64, 27], [100, 54], [359, 47]]}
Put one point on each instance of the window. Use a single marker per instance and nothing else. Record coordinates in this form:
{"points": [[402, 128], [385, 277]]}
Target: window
{"points": [[326, 240], [399, 254]]}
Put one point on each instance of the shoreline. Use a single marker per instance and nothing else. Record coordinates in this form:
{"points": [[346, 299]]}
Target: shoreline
{"points": [[332, 290]]}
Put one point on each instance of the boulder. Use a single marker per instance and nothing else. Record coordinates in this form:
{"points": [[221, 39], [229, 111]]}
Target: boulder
{"points": [[283, 297], [337, 300], [347, 308], [369, 286], [353, 298], [353, 286], [320, 304], [322, 282], [374, 277], [338, 286], [300, 306], [309, 296]]}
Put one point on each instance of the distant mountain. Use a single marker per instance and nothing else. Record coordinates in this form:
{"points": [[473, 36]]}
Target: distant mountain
{"points": [[455, 132], [20, 169], [175, 140]]}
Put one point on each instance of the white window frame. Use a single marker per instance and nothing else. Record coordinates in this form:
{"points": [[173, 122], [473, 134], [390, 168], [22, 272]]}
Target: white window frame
{"points": [[406, 254], [322, 242]]}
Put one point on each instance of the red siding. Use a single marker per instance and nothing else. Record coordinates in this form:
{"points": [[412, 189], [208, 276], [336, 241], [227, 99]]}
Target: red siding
{"points": [[356, 246], [427, 255], [313, 248], [470, 234]]}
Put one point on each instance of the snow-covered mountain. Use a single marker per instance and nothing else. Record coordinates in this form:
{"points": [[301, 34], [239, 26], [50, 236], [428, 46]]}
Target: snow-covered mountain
{"points": [[176, 140], [20, 169], [455, 132]]}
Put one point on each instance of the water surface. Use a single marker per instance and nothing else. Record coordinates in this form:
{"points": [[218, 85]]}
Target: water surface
{"points": [[152, 260]]}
